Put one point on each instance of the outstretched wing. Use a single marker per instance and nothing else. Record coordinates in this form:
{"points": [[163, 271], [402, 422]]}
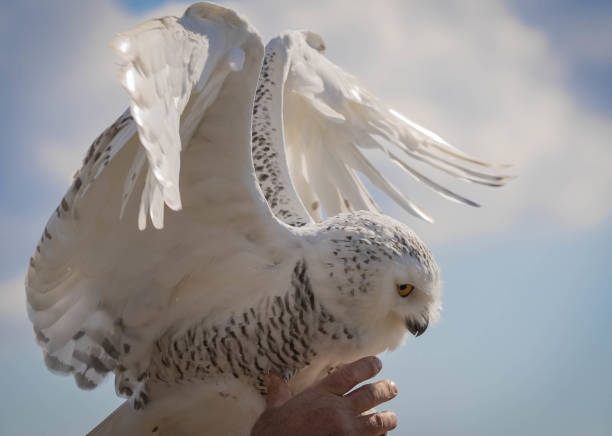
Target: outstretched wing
{"points": [[99, 290], [328, 119]]}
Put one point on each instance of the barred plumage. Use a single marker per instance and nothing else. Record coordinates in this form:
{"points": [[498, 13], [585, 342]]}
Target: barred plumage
{"points": [[279, 334]]}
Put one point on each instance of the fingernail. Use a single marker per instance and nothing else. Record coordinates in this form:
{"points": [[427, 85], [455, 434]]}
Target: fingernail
{"points": [[393, 388], [377, 363]]}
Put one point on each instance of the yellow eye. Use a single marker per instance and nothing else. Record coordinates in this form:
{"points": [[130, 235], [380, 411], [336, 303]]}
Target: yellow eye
{"points": [[404, 290]]}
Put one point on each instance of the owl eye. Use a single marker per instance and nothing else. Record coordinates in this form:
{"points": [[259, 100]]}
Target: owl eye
{"points": [[404, 290]]}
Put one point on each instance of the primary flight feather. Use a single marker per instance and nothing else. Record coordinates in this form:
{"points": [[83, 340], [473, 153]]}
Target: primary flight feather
{"points": [[250, 149]]}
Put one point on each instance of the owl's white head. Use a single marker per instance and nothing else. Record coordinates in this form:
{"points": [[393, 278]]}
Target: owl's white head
{"points": [[376, 274]]}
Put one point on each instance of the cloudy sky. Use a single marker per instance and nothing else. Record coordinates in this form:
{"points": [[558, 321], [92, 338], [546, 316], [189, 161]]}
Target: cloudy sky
{"points": [[524, 344]]}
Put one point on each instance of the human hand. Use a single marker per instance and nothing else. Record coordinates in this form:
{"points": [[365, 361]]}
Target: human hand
{"points": [[326, 408]]}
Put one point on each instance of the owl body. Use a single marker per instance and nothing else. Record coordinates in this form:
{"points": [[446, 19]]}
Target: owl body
{"points": [[322, 315]]}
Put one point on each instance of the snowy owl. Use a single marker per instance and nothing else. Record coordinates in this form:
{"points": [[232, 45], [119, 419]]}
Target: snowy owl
{"points": [[273, 255]]}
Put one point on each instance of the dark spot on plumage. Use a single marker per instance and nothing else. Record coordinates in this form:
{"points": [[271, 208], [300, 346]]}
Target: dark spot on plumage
{"points": [[64, 204], [110, 349], [126, 348], [83, 382], [78, 335], [99, 366], [54, 364], [40, 336], [155, 429]]}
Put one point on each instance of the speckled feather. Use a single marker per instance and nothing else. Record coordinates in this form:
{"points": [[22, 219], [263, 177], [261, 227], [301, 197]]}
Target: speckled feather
{"points": [[269, 157]]}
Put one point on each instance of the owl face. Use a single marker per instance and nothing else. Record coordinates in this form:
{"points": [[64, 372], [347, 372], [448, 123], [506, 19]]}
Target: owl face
{"points": [[417, 293], [376, 270]]}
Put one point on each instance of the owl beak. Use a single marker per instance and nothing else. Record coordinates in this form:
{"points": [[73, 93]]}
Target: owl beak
{"points": [[417, 327]]}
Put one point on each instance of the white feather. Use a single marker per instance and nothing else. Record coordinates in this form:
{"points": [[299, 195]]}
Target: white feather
{"points": [[328, 117]]}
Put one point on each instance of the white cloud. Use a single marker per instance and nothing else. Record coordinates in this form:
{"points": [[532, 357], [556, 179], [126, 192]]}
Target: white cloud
{"points": [[470, 71]]}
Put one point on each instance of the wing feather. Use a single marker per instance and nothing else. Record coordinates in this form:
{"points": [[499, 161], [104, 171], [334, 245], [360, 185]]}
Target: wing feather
{"points": [[357, 160], [99, 291], [160, 88], [329, 119]]}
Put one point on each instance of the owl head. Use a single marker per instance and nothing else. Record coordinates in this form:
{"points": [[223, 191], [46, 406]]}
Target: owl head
{"points": [[376, 274]]}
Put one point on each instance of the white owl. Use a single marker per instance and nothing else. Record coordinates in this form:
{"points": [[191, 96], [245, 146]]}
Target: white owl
{"points": [[244, 275]]}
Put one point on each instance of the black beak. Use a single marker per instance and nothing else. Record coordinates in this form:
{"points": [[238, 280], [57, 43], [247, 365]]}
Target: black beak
{"points": [[417, 326]]}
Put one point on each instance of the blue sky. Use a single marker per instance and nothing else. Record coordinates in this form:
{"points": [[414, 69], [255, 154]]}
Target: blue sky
{"points": [[575, 28], [524, 344]]}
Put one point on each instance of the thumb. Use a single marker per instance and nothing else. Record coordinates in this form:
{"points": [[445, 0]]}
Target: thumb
{"points": [[278, 391]]}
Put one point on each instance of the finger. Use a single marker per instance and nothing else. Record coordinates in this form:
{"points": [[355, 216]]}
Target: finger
{"points": [[376, 423], [346, 377], [371, 395], [278, 391], [369, 411]]}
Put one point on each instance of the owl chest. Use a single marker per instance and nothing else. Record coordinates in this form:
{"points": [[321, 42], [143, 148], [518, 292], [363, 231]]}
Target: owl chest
{"points": [[282, 334]]}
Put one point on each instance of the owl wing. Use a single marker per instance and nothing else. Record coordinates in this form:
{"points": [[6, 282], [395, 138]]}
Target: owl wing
{"points": [[329, 119], [101, 285]]}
